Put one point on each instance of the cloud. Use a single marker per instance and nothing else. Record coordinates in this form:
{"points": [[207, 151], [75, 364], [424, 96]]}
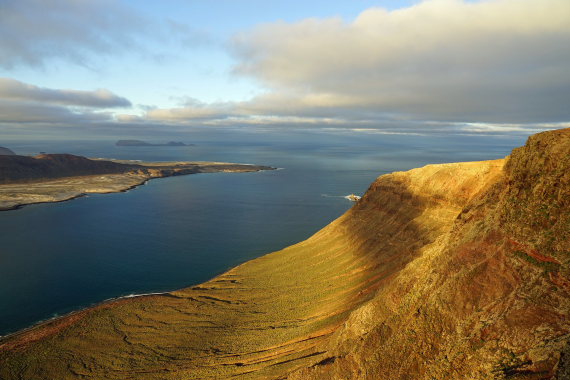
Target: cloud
{"points": [[188, 36], [495, 61], [25, 104], [25, 113], [33, 31], [491, 66], [193, 109], [11, 89], [36, 32]]}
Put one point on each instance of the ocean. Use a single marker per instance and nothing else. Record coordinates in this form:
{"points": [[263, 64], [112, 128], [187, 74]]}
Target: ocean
{"points": [[180, 231]]}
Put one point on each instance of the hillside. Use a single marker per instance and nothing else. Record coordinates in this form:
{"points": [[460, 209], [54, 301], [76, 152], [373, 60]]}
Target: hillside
{"points": [[15, 168], [453, 271], [6, 152], [58, 177], [489, 299]]}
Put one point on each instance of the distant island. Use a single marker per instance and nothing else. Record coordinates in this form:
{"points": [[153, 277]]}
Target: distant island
{"points": [[144, 143], [6, 152], [59, 177]]}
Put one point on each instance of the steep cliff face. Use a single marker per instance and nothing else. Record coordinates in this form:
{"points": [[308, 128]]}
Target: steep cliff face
{"points": [[489, 299], [454, 271]]}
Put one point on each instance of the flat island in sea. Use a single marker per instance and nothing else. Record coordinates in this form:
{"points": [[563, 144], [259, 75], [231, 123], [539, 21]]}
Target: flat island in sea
{"points": [[60, 177]]}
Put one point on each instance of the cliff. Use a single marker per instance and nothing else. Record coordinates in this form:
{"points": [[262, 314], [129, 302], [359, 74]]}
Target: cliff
{"points": [[488, 299], [453, 271]]}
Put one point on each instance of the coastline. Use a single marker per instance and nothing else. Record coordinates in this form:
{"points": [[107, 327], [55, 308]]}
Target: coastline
{"points": [[70, 197], [14, 196], [61, 321], [321, 306], [431, 249], [55, 318]]}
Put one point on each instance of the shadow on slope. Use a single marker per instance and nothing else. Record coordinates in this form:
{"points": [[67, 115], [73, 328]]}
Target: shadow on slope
{"points": [[489, 299]]}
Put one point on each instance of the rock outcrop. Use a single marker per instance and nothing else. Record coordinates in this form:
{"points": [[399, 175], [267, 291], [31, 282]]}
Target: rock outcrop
{"points": [[453, 271]]}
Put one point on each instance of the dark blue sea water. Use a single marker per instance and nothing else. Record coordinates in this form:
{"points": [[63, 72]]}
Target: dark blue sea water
{"points": [[180, 231]]}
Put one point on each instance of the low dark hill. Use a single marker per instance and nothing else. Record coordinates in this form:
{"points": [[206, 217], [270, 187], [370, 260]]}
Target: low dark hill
{"points": [[15, 168], [6, 152]]}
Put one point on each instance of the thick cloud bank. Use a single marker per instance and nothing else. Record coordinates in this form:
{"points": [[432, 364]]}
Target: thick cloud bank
{"points": [[11, 89], [498, 61], [487, 66], [25, 103]]}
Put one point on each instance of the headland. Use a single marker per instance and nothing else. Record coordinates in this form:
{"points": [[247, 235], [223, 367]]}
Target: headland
{"points": [[59, 177]]}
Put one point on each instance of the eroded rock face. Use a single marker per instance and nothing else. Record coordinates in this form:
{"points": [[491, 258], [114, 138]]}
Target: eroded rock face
{"points": [[490, 299], [454, 271]]}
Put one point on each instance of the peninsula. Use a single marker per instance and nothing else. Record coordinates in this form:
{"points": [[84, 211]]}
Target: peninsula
{"points": [[59, 177], [451, 271]]}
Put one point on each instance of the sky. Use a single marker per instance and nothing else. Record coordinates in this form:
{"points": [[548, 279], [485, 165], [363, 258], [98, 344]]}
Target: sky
{"points": [[93, 67]]}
